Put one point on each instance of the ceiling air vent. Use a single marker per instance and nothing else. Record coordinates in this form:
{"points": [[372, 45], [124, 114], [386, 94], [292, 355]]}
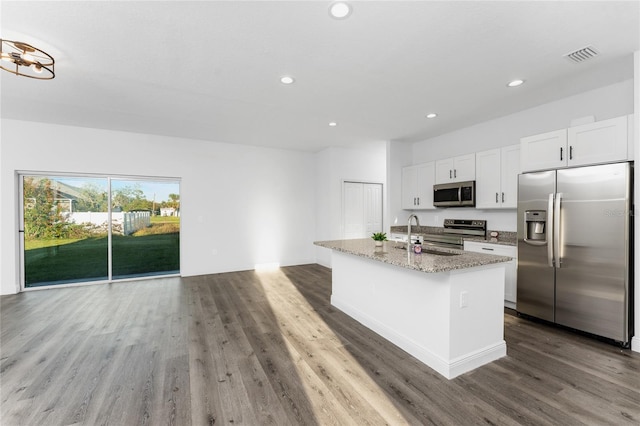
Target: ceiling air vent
{"points": [[582, 55]]}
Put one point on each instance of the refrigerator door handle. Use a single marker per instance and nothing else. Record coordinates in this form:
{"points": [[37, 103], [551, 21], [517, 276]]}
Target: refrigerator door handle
{"points": [[550, 231], [556, 226]]}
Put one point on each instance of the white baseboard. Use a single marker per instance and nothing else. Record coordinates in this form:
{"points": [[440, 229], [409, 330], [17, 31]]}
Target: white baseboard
{"points": [[635, 343]]}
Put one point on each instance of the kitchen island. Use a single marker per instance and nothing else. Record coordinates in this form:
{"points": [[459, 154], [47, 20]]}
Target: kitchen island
{"points": [[444, 307]]}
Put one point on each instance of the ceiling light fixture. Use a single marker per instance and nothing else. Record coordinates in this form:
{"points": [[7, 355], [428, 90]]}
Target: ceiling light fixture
{"points": [[333, 124], [28, 61], [515, 83], [339, 10], [287, 79], [432, 115]]}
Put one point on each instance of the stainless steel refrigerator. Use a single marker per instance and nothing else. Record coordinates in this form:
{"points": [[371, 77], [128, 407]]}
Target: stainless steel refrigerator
{"points": [[574, 248]]}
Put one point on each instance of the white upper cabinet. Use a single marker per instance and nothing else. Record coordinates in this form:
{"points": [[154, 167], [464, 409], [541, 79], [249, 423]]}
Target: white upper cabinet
{"points": [[510, 169], [599, 142], [456, 169], [545, 151], [444, 170], [488, 179], [417, 186], [426, 179], [409, 187], [497, 177]]}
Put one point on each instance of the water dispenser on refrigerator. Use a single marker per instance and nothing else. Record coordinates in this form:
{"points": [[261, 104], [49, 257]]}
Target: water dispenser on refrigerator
{"points": [[535, 226]]}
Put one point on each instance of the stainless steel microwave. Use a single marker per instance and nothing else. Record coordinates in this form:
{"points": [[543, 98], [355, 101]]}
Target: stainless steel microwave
{"points": [[458, 194]]}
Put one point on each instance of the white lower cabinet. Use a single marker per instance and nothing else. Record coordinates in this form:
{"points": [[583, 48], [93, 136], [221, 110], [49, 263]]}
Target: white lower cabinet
{"points": [[511, 276]]}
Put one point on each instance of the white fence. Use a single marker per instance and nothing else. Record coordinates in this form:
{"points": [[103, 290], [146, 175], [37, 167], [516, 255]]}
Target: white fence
{"points": [[123, 223]]}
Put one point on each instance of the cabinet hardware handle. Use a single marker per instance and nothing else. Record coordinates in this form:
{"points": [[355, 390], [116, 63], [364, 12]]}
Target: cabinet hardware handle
{"points": [[503, 197], [418, 200], [488, 249], [560, 153], [496, 197], [455, 172], [570, 153], [450, 174], [414, 201]]}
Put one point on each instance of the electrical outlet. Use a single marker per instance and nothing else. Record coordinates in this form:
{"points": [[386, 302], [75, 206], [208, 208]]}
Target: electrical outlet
{"points": [[463, 299]]}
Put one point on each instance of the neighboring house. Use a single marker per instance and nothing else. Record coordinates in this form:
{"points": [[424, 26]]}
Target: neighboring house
{"points": [[65, 195], [169, 211]]}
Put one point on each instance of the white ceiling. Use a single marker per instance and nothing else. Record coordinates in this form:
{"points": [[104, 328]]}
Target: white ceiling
{"points": [[210, 69]]}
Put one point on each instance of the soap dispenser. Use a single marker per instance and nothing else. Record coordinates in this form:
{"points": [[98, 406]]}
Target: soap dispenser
{"points": [[417, 246]]}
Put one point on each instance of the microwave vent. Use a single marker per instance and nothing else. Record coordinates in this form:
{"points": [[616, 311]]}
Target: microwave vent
{"points": [[582, 55]]}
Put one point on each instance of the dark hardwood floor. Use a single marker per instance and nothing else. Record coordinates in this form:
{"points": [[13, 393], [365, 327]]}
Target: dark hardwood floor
{"points": [[268, 348]]}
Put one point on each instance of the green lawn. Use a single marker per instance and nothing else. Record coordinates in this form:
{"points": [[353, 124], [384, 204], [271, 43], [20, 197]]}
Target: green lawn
{"points": [[165, 219], [48, 261], [36, 244]]}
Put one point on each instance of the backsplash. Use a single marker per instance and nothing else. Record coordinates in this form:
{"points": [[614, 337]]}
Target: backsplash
{"points": [[503, 236]]}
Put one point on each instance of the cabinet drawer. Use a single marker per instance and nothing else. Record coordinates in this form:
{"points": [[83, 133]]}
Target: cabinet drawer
{"points": [[489, 248]]}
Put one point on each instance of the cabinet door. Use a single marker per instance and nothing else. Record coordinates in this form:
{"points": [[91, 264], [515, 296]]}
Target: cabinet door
{"points": [[409, 187], [464, 168], [426, 174], [600, 142], [444, 170], [488, 179], [511, 283], [510, 168], [545, 151]]}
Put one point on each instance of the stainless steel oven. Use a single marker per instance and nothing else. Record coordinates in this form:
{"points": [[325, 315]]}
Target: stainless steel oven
{"points": [[458, 194]]}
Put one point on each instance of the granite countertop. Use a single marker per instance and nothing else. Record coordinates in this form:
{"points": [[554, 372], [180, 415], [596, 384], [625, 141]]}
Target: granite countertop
{"points": [[424, 262], [505, 238]]}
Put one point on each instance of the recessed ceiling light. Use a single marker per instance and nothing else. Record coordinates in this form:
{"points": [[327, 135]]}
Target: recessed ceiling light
{"points": [[432, 115], [333, 124], [287, 79], [339, 10], [515, 83]]}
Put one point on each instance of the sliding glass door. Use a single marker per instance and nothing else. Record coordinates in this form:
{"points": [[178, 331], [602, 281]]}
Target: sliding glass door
{"points": [[84, 228], [145, 220], [65, 230]]}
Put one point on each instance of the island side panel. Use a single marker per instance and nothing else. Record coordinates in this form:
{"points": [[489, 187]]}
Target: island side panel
{"points": [[399, 304], [413, 309], [477, 317]]}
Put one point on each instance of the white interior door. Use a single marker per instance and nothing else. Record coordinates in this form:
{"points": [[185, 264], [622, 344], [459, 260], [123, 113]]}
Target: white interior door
{"points": [[372, 208], [362, 209]]}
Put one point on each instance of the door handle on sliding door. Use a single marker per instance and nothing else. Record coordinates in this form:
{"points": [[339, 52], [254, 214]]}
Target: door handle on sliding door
{"points": [[550, 231], [557, 231]]}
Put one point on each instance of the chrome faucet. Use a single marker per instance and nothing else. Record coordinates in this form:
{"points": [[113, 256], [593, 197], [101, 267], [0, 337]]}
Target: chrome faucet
{"points": [[409, 231]]}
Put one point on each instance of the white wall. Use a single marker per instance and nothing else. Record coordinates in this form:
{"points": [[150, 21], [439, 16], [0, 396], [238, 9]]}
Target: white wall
{"points": [[398, 156], [606, 102], [241, 205], [333, 166]]}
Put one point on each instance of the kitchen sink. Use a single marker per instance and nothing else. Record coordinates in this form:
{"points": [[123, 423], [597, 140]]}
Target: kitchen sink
{"points": [[429, 251], [439, 253]]}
